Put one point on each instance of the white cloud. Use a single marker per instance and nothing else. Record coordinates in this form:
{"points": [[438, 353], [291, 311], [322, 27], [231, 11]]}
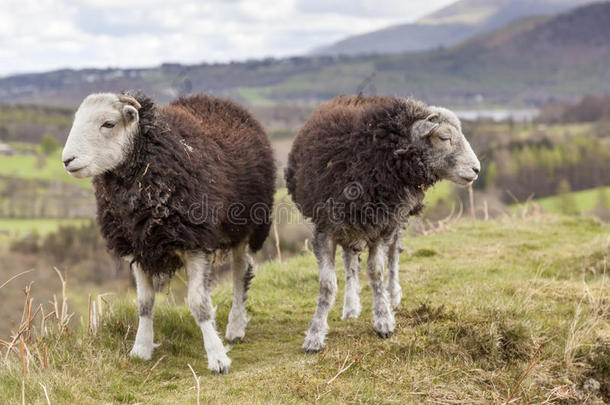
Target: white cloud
{"points": [[37, 35]]}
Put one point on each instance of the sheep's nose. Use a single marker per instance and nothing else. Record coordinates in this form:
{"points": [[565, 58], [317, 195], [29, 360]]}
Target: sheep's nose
{"points": [[476, 169], [67, 161]]}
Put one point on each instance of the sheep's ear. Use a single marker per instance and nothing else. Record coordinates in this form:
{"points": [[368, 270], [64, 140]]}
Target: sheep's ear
{"points": [[130, 113], [423, 128]]}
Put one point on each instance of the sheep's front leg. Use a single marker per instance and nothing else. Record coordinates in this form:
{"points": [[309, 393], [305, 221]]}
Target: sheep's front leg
{"points": [[324, 249], [383, 318], [198, 269], [394, 289], [143, 346], [243, 272], [351, 299]]}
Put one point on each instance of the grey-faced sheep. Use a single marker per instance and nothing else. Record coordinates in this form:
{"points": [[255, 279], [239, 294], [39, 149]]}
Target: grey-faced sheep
{"points": [[174, 185], [359, 168]]}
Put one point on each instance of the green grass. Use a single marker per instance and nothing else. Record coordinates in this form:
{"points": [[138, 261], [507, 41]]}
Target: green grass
{"points": [[440, 191], [254, 95], [20, 226], [478, 300], [583, 200], [27, 167]]}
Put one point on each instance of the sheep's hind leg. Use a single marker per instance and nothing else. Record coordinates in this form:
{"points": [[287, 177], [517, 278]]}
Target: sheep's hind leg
{"points": [[198, 269], [324, 249], [351, 299], [394, 288], [383, 318], [144, 345], [243, 273]]}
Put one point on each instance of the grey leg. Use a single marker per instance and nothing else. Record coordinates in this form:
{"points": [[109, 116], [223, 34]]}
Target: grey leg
{"points": [[243, 272], [143, 346], [324, 249], [394, 289], [198, 269], [383, 318], [351, 300]]}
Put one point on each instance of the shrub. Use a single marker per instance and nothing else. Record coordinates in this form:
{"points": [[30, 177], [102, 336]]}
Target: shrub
{"points": [[48, 144]]}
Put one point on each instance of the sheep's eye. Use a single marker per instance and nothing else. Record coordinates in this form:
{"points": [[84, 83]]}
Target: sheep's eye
{"points": [[108, 124], [445, 138]]}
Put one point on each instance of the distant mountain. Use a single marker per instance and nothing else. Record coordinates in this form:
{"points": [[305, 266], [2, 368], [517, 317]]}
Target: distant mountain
{"points": [[446, 27], [529, 61]]}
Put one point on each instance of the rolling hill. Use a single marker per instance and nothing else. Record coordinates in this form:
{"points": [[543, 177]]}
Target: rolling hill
{"points": [[446, 27]]}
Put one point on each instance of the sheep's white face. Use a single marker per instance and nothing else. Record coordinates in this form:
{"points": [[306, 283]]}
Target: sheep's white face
{"points": [[451, 156], [101, 135]]}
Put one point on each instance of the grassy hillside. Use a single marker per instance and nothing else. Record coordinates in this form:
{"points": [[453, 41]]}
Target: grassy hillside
{"points": [[30, 166], [579, 202], [41, 226], [583, 200], [479, 300]]}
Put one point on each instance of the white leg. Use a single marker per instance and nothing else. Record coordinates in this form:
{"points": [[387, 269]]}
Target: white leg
{"points": [[324, 249], [394, 289], [243, 272], [143, 346], [383, 318], [351, 299], [198, 269]]}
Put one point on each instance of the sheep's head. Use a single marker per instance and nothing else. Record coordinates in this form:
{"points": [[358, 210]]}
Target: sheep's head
{"points": [[449, 154], [102, 134]]}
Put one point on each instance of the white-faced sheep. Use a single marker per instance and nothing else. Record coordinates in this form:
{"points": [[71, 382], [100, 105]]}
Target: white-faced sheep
{"points": [[174, 185], [358, 168]]}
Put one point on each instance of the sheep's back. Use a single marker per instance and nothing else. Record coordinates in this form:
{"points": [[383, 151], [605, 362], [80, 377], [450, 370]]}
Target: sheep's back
{"points": [[241, 147]]}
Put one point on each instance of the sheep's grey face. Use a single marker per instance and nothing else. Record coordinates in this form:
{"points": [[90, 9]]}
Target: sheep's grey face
{"points": [[101, 135], [451, 157]]}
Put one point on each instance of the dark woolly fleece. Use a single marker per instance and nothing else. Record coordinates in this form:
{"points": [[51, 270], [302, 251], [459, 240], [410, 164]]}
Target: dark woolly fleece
{"points": [[355, 169], [197, 170]]}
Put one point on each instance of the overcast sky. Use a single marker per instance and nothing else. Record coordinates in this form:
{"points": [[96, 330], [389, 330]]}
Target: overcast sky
{"points": [[39, 35]]}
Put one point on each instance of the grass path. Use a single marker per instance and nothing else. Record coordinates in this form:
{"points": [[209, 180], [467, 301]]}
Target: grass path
{"points": [[478, 300]]}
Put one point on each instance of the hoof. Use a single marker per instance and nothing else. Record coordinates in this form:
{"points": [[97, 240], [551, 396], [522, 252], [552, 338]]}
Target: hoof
{"points": [[219, 363], [312, 351], [235, 341], [384, 327], [313, 344], [235, 334], [142, 352], [221, 370], [384, 335]]}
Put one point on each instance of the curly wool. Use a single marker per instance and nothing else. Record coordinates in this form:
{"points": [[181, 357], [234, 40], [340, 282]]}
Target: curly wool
{"points": [[197, 169], [354, 169]]}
